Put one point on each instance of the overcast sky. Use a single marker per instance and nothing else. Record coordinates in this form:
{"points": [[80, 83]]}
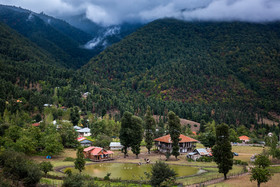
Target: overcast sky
{"points": [[109, 12]]}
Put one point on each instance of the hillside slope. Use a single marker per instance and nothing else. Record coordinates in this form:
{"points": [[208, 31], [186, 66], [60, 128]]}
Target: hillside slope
{"points": [[57, 37], [29, 73], [233, 64]]}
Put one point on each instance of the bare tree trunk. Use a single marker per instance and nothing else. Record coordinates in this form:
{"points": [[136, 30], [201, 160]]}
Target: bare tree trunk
{"points": [[225, 176]]}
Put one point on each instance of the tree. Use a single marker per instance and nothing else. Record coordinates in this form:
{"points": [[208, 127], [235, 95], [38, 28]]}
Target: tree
{"points": [[150, 124], [222, 150], [202, 126], [208, 139], [80, 161], [137, 134], [272, 142], [260, 173], [68, 135], [75, 115], [46, 167], [126, 132], [175, 131], [162, 175], [73, 180], [233, 135], [18, 167], [52, 144]]}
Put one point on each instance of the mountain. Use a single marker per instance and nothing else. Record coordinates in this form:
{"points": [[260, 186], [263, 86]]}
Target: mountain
{"points": [[103, 36], [29, 74], [63, 41], [233, 68]]}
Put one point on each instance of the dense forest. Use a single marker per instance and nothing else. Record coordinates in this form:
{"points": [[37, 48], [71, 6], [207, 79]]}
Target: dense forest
{"points": [[227, 72]]}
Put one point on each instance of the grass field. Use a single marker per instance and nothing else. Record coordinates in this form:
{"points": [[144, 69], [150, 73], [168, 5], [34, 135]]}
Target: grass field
{"points": [[245, 153], [244, 181]]}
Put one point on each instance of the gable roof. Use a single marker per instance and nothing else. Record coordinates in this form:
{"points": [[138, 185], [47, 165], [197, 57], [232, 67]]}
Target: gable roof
{"points": [[167, 139], [36, 124], [244, 138], [87, 130], [115, 144], [97, 151]]}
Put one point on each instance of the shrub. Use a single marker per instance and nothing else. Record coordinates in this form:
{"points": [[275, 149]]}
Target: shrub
{"points": [[69, 159], [205, 159]]}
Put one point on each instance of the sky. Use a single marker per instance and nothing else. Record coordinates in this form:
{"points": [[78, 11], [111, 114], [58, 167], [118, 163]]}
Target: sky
{"points": [[112, 12]]}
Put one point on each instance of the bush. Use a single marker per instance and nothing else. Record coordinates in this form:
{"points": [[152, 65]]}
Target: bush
{"points": [[75, 180], [107, 177], [205, 159], [69, 159], [240, 162]]}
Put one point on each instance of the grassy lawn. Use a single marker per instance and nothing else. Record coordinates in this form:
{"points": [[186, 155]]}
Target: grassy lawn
{"points": [[245, 152], [212, 173], [244, 181]]}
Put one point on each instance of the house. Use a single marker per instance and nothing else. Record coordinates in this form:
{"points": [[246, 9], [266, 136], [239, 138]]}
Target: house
{"points": [[244, 139], [84, 141], [84, 132], [197, 153], [77, 127], [115, 146], [186, 144], [36, 124], [98, 154]]}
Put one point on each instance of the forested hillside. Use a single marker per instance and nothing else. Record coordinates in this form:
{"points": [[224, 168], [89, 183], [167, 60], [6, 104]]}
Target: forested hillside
{"points": [[223, 69], [63, 41], [28, 74]]}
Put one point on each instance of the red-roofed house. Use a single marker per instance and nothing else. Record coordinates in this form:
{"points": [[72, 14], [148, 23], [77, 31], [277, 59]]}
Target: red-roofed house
{"points": [[98, 154], [36, 124], [186, 144], [244, 139]]}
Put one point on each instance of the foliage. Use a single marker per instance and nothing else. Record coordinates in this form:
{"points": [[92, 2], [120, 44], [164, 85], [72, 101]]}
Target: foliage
{"points": [[18, 168], [80, 161], [73, 180], [68, 135], [162, 175], [222, 150], [149, 129], [75, 115], [205, 159], [107, 177], [46, 167], [105, 126], [262, 161], [102, 140], [175, 131], [137, 134]]}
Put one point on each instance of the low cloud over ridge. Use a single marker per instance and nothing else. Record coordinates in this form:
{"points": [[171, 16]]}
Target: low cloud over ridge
{"points": [[111, 12]]}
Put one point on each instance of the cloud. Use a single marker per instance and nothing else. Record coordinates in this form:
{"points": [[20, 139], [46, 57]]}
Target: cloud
{"points": [[110, 12]]}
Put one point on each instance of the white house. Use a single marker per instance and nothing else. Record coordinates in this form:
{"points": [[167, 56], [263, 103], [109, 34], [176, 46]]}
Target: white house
{"points": [[115, 146], [84, 132]]}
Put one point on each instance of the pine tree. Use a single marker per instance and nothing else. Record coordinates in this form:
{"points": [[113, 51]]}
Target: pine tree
{"points": [[137, 134], [125, 132], [149, 129], [222, 150], [175, 131]]}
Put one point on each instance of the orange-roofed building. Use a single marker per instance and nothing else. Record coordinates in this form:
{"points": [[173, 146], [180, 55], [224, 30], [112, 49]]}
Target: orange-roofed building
{"points": [[36, 124], [186, 144], [244, 139], [98, 154]]}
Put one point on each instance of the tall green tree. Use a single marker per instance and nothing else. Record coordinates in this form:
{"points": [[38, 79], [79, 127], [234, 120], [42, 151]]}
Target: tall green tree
{"points": [[126, 132], [46, 167], [137, 134], [131, 133], [75, 115], [150, 124], [80, 161], [260, 173], [222, 150], [175, 131]]}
